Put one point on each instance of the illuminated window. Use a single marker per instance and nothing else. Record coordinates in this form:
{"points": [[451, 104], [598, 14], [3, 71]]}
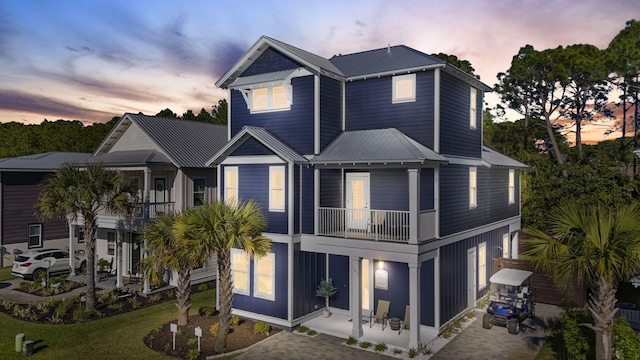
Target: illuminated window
{"points": [[404, 88], [473, 187], [472, 108], [35, 236], [240, 271], [512, 186], [505, 246], [269, 98], [482, 265], [276, 188], [264, 277], [231, 184]]}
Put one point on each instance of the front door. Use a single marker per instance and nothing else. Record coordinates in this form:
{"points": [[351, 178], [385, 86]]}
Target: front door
{"points": [[357, 200], [160, 190], [471, 278]]}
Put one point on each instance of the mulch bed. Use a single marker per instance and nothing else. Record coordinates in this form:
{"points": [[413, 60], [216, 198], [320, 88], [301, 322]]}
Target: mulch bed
{"points": [[240, 337]]}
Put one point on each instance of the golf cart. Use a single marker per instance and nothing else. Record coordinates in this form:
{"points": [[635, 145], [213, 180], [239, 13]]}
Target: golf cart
{"points": [[510, 300]]}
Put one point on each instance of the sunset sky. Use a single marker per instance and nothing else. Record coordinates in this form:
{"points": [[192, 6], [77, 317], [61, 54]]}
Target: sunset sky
{"points": [[92, 60]]}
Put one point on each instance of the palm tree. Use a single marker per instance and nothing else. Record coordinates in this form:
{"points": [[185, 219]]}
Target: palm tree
{"points": [[84, 193], [170, 251], [216, 228], [599, 245]]}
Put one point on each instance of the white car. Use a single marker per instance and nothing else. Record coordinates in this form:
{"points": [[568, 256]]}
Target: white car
{"points": [[34, 264]]}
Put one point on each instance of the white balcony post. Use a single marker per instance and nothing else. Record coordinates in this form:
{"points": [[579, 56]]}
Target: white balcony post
{"points": [[72, 270], [356, 296], [414, 305], [147, 193], [414, 205]]}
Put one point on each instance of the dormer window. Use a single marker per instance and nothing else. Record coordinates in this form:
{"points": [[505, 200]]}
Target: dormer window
{"points": [[404, 88], [269, 99]]}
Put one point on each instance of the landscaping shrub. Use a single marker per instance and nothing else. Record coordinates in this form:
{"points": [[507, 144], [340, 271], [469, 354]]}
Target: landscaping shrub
{"points": [[380, 347], [235, 320], [365, 344], [352, 341], [193, 354], [206, 310], [214, 329], [81, 314], [302, 329], [261, 328], [626, 343]]}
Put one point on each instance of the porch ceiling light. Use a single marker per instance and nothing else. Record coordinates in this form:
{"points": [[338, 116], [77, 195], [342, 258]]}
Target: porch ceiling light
{"points": [[380, 264]]}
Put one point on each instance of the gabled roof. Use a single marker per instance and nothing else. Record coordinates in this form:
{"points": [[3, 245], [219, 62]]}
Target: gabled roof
{"points": [[49, 161], [375, 146], [187, 144], [263, 136], [135, 157], [495, 159], [313, 62]]}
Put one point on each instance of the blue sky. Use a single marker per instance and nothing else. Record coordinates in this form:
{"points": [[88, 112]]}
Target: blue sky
{"points": [[92, 60]]}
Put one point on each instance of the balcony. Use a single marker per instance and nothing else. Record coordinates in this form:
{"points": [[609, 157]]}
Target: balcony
{"points": [[378, 225], [153, 210]]}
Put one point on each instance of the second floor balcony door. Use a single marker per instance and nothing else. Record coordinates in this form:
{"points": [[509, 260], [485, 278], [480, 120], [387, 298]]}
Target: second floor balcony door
{"points": [[161, 190], [357, 201]]}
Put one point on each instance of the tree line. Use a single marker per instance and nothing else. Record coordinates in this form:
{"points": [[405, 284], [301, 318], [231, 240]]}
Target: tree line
{"points": [[18, 139]]}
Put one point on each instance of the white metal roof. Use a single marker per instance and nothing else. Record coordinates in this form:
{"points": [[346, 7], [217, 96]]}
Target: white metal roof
{"points": [[512, 277]]}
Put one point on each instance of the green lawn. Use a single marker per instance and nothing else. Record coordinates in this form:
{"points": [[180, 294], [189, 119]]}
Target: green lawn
{"points": [[117, 337], [5, 273]]}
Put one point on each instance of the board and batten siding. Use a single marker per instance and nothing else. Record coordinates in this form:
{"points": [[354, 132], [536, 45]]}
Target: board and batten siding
{"points": [[134, 139], [251, 147], [210, 184], [270, 60], [456, 136], [389, 190], [493, 204], [307, 200], [330, 188], [453, 271], [369, 106], [330, 110], [294, 127], [339, 272], [20, 191], [309, 269], [427, 201], [427, 293]]}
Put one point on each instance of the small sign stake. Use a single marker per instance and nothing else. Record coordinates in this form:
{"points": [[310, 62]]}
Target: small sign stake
{"points": [[198, 331], [174, 330]]}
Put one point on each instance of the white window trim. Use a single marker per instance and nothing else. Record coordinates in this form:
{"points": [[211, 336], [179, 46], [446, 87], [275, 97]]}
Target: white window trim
{"points": [[512, 186], [256, 292], [248, 97], [394, 98], [273, 207], [235, 289], [227, 171], [29, 246], [482, 266], [193, 190], [505, 245], [473, 187], [473, 105]]}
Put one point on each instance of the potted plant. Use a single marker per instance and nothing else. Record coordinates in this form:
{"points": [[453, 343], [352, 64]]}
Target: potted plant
{"points": [[326, 290]]}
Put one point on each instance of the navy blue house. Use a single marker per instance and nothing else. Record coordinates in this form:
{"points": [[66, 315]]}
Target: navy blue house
{"points": [[371, 171]]}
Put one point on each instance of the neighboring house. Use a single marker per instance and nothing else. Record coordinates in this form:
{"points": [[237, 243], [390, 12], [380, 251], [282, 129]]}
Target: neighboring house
{"points": [[371, 171], [166, 157], [20, 228]]}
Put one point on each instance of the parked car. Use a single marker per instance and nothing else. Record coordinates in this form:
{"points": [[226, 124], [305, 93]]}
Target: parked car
{"points": [[35, 264], [510, 300]]}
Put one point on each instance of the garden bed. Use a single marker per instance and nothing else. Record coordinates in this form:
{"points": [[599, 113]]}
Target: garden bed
{"points": [[55, 286]]}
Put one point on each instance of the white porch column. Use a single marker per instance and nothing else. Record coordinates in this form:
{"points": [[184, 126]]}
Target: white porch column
{"points": [[146, 287], [414, 205], [72, 270], [414, 305], [356, 296], [119, 282], [146, 193], [514, 245]]}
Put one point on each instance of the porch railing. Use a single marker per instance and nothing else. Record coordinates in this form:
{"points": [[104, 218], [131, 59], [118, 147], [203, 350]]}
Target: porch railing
{"points": [[153, 210], [386, 225]]}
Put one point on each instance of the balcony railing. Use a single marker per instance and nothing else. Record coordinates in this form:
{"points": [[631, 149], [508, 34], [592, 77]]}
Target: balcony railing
{"points": [[385, 225], [153, 210]]}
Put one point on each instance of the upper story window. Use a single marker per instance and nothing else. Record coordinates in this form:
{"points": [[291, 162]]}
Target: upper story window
{"points": [[276, 188], [230, 184], [404, 88], [272, 98], [512, 186], [473, 97], [473, 187], [199, 191], [35, 236]]}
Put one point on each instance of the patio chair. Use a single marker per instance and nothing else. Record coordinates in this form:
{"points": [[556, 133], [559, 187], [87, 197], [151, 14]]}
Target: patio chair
{"points": [[381, 313], [404, 324]]}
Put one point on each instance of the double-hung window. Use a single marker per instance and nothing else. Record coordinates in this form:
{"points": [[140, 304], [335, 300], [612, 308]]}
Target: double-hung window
{"points": [[276, 188], [404, 88], [505, 245], [269, 98], [240, 271], [473, 187], [473, 103], [482, 265], [199, 191], [231, 185], [264, 277], [512, 186], [35, 236], [111, 243]]}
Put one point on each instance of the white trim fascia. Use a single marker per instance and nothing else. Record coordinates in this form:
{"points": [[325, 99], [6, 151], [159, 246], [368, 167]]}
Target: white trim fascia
{"points": [[289, 282], [316, 114], [395, 72], [218, 185], [436, 110], [436, 200], [436, 290], [344, 108], [316, 200], [290, 212], [462, 235], [405, 253], [253, 159], [260, 317], [458, 160], [229, 115]]}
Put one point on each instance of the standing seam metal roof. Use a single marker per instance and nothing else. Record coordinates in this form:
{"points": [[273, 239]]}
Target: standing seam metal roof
{"points": [[48, 161], [496, 159]]}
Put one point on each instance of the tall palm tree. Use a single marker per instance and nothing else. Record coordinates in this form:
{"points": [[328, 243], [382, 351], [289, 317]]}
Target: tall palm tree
{"points": [[599, 245], [84, 193], [168, 250], [216, 228]]}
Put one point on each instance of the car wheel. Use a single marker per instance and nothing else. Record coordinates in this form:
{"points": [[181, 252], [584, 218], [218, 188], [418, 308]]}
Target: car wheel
{"points": [[513, 326], [486, 321], [83, 268], [38, 274]]}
